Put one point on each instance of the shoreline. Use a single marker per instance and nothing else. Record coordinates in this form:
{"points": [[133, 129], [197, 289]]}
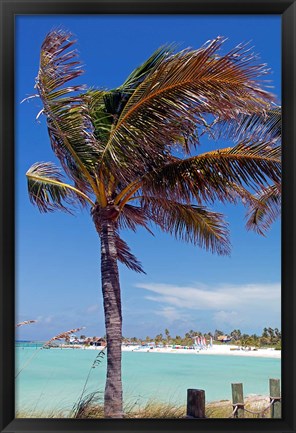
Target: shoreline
{"points": [[214, 350], [217, 350]]}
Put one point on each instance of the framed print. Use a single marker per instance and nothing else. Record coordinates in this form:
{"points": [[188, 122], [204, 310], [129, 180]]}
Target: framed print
{"points": [[147, 216]]}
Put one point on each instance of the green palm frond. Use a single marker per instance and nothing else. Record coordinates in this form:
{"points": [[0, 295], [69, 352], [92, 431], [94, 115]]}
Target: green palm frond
{"points": [[101, 118], [125, 256], [208, 176], [48, 191], [261, 215], [194, 224], [69, 124], [169, 102], [149, 66], [106, 106]]}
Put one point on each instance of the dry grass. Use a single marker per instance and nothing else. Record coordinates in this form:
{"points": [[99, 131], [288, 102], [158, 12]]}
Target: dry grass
{"points": [[219, 409], [150, 410], [157, 410], [91, 407], [40, 414]]}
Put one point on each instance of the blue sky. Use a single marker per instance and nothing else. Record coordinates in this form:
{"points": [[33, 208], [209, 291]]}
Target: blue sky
{"points": [[58, 255]]}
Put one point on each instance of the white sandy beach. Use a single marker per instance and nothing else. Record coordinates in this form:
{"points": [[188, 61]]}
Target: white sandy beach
{"points": [[215, 350]]}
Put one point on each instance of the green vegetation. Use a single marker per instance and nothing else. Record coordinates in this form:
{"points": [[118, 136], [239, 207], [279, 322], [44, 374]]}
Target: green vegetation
{"points": [[269, 338]]}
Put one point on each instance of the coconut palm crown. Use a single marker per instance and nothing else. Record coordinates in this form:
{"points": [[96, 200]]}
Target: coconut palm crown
{"points": [[131, 155]]}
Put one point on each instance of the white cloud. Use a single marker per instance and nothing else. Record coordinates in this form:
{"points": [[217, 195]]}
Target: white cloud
{"points": [[228, 318], [171, 314], [217, 297], [221, 304]]}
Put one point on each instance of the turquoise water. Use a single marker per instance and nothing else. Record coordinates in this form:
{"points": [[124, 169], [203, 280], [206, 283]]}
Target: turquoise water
{"points": [[53, 379]]}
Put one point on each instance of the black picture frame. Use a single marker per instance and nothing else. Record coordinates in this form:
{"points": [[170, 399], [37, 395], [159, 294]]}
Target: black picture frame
{"points": [[9, 9]]}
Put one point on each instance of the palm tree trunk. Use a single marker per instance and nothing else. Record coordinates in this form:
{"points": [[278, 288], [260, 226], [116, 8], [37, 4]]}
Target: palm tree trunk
{"points": [[113, 320]]}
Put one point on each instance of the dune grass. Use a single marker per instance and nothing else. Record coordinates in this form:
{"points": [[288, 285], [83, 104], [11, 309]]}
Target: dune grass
{"points": [[91, 407], [154, 409]]}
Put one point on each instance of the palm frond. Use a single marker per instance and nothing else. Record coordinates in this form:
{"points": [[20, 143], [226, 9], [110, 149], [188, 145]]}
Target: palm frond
{"points": [[190, 223], [113, 102], [132, 216], [48, 191], [69, 124], [149, 66], [241, 194], [101, 118], [209, 176], [246, 163], [57, 64], [266, 125], [262, 214], [106, 106], [125, 256], [169, 102]]}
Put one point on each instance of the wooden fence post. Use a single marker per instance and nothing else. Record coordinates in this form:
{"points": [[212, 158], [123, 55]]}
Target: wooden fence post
{"points": [[275, 394], [196, 406], [238, 399]]}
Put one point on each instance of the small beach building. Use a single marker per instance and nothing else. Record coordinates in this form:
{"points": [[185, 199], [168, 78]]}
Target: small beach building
{"points": [[224, 338]]}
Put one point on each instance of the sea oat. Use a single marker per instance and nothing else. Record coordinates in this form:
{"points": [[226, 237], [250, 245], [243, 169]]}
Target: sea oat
{"points": [[57, 337], [63, 335], [26, 322]]}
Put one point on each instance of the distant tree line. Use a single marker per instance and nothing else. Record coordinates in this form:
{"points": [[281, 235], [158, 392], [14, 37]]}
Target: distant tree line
{"points": [[269, 338]]}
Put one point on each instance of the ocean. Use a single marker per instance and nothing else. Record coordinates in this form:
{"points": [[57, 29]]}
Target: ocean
{"points": [[52, 380]]}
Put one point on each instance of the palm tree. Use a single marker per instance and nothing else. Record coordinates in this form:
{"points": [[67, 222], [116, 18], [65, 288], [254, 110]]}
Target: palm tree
{"points": [[217, 334], [167, 334], [235, 334], [130, 155], [265, 333]]}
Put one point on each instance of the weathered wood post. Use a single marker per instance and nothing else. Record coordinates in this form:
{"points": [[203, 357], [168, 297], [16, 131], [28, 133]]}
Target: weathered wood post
{"points": [[196, 403], [275, 394], [238, 399]]}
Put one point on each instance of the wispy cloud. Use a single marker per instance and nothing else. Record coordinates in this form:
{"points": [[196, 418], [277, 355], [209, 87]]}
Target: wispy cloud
{"points": [[222, 304], [223, 296], [171, 314], [228, 318]]}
